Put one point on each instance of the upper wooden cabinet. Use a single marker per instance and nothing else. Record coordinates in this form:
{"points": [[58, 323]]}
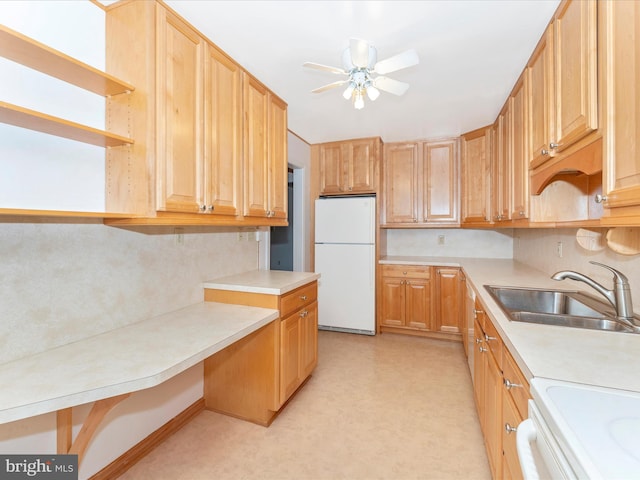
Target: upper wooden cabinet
{"points": [[212, 146], [501, 156], [348, 167], [476, 177], [420, 184], [564, 83], [519, 140], [265, 152], [620, 60]]}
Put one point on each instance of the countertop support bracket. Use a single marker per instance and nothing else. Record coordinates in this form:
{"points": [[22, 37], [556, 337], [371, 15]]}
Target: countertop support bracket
{"points": [[64, 420]]}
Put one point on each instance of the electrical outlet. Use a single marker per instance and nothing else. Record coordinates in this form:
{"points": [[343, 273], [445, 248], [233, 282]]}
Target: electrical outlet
{"points": [[242, 236], [441, 240], [559, 249]]}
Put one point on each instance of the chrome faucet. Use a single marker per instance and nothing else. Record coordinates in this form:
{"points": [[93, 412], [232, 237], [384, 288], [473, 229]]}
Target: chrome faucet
{"points": [[619, 297]]}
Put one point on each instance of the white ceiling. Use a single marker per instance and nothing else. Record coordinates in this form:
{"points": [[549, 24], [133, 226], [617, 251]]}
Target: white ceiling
{"points": [[471, 53]]}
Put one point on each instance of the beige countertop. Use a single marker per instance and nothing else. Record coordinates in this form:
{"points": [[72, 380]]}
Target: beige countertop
{"points": [[271, 282], [607, 359], [127, 359]]}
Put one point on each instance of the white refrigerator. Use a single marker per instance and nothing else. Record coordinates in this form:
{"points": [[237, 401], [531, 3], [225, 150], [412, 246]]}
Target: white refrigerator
{"points": [[345, 233]]}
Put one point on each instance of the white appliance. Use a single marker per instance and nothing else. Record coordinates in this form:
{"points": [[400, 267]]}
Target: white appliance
{"points": [[345, 233], [580, 431]]}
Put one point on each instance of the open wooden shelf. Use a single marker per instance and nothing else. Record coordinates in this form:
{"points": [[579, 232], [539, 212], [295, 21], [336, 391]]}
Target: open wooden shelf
{"points": [[23, 212], [41, 122], [26, 51]]}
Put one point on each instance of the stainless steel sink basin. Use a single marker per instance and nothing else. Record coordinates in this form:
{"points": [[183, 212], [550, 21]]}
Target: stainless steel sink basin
{"points": [[592, 323], [567, 308]]}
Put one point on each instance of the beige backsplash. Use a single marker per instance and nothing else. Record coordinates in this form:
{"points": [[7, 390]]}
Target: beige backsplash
{"points": [[64, 282], [539, 249]]}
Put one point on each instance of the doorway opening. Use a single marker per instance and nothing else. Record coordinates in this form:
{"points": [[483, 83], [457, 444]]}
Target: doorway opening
{"points": [[282, 238]]}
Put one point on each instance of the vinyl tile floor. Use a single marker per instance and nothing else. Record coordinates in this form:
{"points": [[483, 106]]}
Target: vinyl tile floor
{"points": [[384, 407]]}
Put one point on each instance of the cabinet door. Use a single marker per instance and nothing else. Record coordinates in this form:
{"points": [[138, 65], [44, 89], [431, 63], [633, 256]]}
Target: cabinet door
{"points": [[493, 413], [476, 176], [576, 86], [519, 160], [501, 171], [361, 162], [418, 303], [331, 170], [401, 183], [309, 339], [510, 419], [393, 302], [449, 298], [223, 134], [290, 355], [278, 163], [180, 163], [440, 182], [541, 101], [621, 174], [256, 153]]}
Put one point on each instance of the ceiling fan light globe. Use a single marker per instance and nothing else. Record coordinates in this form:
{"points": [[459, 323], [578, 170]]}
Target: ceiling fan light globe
{"points": [[359, 102], [348, 92], [373, 93]]}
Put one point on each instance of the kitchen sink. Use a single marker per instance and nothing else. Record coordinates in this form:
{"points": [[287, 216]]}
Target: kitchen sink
{"points": [[567, 308]]}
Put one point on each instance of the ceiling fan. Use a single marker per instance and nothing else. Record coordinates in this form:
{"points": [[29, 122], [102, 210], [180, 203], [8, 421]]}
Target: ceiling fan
{"points": [[365, 74]]}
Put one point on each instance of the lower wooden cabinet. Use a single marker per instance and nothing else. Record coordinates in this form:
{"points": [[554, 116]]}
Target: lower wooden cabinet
{"points": [[501, 393], [253, 378], [421, 300]]}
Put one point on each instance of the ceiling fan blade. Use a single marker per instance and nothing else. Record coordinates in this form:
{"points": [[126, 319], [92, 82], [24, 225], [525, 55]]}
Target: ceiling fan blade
{"points": [[397, 62], [390, 85], [324, 68], [330, 86], [359, 52]]}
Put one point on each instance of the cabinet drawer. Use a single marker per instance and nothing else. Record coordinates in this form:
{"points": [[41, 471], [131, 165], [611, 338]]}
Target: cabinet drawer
{"points": [[494, 342], [406, 271], [519, 392], [298, 298]]}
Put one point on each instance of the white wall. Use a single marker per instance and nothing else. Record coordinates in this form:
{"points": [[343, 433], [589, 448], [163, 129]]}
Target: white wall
{"points": [[538, 248], [300, 159], [65, 281], [457, 242]]}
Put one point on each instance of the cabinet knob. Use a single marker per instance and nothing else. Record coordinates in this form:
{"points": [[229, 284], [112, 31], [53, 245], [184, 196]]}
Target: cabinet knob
{"points": [[488, 338], [544, 151], [476, 311], [210, 208], [509, 429], [478, 340], [600, 198], [350, 189], [510, 385], [303, 297], [482, 349], [553, 145], [303, 313], [404, 273]]}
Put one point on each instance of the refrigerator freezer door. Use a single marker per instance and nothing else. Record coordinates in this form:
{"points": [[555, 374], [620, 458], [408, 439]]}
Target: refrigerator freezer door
{"points": [[346, 288], [345, 220]]}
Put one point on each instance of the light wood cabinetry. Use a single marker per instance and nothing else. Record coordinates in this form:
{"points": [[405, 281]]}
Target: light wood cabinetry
{"points": [[501, 155], [501, 393], [254, 379], [421, 300], [620, 52], [38, 56], [212, 147], [519, 141], [564, 94], [476, 177], [265, 152], [406, 297], [450, 299], [420, 184], [348, 167], [488, 389]]}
